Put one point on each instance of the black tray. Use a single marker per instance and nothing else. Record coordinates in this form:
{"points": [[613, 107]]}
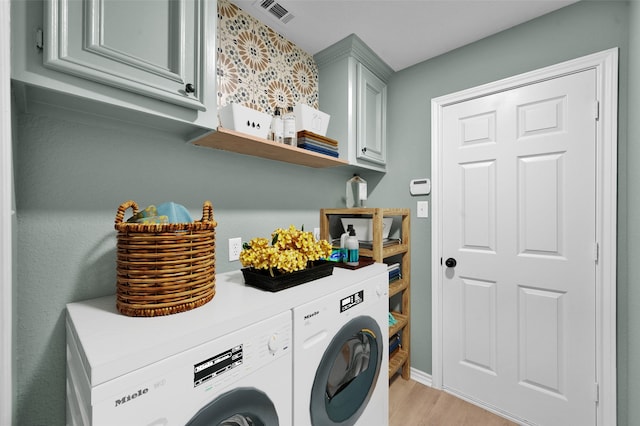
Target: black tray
{"points": [[262, 279]]}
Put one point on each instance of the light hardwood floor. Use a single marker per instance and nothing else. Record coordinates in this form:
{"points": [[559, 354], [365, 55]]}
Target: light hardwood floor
{"points": [[413, 404]]}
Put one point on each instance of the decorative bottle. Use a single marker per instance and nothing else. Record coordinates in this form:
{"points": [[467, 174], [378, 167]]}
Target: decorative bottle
{"points": [[356, 192], [353, 248], [277, 127], [289, 120]]}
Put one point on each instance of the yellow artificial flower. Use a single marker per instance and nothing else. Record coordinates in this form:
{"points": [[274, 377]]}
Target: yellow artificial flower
{"points": [[291, 250]]}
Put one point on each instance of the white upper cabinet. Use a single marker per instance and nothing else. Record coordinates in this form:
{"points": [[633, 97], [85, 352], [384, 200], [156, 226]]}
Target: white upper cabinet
{"points": [[352, 83], [147, 47], [371, 117], [155, 57]]}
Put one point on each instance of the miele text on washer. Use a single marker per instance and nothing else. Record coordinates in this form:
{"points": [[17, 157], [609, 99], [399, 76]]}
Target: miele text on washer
{"points": [[311, 315], [134, 395]]}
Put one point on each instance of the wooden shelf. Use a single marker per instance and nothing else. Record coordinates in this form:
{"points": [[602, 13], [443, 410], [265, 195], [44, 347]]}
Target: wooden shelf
{"points": [[397, 361], [402, 321], [397, 286], [229, 140], [367, 211], [401, 359], [386, 251]]}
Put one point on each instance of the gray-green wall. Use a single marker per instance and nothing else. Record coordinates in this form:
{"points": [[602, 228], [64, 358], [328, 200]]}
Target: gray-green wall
{"points": [[71, 177]]}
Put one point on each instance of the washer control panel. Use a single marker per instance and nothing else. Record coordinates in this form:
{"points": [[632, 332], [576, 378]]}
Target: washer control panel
{"points": [[216, 365]]}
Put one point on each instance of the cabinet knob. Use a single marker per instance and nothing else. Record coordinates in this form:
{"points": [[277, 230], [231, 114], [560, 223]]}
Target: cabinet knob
{"points": [[189, 88], [364, 149], [450, 262]]}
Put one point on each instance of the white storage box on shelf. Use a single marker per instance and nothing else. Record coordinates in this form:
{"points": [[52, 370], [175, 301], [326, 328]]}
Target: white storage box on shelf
{"points": [[364, 227], [244, 119], [311, 119]]}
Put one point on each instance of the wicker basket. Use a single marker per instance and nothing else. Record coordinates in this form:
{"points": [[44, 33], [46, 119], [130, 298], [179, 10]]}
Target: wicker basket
{"points": [[164, 269]]}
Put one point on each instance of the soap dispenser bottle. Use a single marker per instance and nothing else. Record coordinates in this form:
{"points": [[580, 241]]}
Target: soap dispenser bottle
{"points": [[277, 127], [353, 248], [343, 243], [289, 124]]}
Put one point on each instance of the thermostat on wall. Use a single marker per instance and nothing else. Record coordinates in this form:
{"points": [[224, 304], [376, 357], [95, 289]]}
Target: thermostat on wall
{"points": [[420, 186]]}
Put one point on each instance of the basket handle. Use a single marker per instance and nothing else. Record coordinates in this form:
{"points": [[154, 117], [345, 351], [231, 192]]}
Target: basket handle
{"points": [[123, 208], [207, 211]]}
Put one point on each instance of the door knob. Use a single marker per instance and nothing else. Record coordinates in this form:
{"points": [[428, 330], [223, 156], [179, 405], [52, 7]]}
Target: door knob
{"points": [[450, 262]]}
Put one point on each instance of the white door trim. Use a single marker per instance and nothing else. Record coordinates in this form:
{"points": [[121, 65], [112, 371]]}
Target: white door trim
{"points": [[606, 65], [6, 298]]}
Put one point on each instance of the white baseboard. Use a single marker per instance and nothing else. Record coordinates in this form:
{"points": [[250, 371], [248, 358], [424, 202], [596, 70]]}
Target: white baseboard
{"points": [[421, 377]]}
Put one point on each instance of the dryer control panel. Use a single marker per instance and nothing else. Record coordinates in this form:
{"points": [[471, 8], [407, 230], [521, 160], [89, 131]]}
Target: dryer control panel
{"points": [[352, 300]]}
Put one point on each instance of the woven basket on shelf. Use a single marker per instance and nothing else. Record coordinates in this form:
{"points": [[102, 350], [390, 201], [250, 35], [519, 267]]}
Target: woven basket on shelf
{"points": [[164, 269]]}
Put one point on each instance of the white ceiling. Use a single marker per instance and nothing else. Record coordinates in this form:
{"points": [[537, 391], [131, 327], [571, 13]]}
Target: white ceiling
{"points": [[401, 32]]}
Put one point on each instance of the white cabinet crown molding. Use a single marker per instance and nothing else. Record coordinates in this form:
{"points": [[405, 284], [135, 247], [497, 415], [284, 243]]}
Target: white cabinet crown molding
{"points": [[352, 46]]}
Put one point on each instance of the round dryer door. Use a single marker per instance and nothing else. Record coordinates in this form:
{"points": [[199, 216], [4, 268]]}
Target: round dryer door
{"points": [[238, 407], [347, 374]]}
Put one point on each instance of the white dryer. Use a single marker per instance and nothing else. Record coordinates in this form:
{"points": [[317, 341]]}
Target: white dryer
{"points": [[240, 378], [341, 360]]}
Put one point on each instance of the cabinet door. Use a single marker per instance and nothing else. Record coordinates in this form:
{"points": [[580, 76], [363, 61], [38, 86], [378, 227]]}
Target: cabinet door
{"points": [[371, 113], [151, 48]]}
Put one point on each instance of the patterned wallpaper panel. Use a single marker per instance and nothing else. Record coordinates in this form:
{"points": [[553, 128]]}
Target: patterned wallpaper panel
{"points": [[259, 68]]}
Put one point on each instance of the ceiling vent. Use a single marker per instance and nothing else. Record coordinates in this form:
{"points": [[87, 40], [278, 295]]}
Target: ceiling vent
{"points": [[275, 10]]}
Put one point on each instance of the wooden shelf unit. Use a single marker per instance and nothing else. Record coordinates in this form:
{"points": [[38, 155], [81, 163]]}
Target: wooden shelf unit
{"points": [[230, 140], [401, 359]]}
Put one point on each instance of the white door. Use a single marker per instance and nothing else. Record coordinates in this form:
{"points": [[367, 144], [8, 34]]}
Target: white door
{"points": [[519, 218]]}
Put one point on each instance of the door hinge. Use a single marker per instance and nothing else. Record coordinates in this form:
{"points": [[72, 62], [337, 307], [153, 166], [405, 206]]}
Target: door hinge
{"points": [[596, 252], [596, 392], [596, 110], [39, 39]]}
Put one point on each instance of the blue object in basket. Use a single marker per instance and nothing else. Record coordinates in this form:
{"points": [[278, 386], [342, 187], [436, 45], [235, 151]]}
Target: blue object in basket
{"points": [[176, 213]]}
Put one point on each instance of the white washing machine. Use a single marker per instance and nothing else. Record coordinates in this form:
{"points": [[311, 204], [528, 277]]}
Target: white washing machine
{"points": [[239, 378], [341, 360]]}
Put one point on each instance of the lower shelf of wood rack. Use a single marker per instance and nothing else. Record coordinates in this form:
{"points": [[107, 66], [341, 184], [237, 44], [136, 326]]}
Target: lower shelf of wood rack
{"points": [[402, 321], [397, 360], [397, 286], [399, 357]]}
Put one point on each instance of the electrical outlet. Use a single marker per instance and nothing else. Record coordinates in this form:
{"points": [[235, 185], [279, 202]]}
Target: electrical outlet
{"points": [[423, 209], [235, 246]]}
